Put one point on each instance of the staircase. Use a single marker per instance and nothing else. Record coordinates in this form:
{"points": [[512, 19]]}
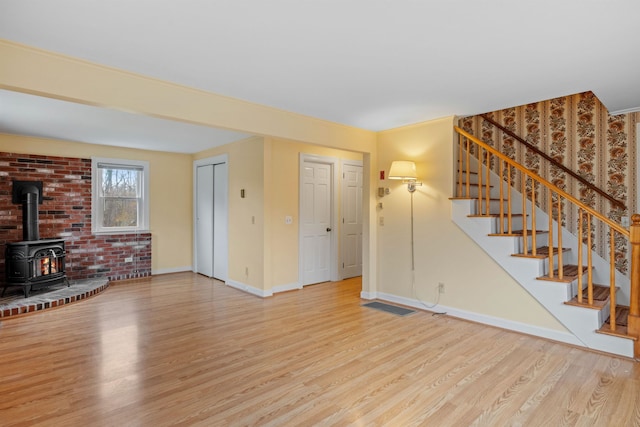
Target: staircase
{"points": [[577, 286]]}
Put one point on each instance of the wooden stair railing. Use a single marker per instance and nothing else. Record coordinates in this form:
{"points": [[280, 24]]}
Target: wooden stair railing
{"points": [[530, 184], [554, 162]]}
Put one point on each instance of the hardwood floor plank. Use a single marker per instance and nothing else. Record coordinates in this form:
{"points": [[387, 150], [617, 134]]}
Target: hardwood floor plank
{"points": [[181, 349]]}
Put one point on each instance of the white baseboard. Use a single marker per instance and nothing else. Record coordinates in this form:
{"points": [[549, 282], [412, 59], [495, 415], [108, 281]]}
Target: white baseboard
{"points": [[552, 334], [285, 288], [172, 270], [368, 295], [249, 289]]}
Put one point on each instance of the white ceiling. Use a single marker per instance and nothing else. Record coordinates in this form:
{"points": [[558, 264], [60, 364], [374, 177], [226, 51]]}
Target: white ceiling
{"points": [[374, 64], [25, 114]]}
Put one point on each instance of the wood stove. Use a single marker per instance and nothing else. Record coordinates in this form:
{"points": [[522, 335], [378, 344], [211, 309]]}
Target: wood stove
{"points": [[34, 262]]}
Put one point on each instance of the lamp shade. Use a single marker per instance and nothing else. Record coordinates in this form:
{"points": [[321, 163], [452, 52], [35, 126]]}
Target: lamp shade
{"points": [[403, 169]]}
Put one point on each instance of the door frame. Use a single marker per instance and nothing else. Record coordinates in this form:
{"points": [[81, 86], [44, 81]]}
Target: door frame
{"points": [[343, 163], [222, 158], [333, 162]]}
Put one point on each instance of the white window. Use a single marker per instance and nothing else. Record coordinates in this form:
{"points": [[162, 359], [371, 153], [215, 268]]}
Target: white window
{"points": [[120, 196]]}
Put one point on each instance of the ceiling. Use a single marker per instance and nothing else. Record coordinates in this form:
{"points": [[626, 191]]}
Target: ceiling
{"points": [[372, 64]]}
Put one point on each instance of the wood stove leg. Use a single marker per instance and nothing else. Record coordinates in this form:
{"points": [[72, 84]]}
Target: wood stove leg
{"points": [[27, 291], [4, 290]]}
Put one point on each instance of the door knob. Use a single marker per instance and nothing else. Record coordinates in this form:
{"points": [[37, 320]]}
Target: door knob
{"points": [[328, 228]]}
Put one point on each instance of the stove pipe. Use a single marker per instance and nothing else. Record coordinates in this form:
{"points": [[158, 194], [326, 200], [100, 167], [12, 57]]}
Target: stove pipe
{"points": [[30, 214], [29, 195]]}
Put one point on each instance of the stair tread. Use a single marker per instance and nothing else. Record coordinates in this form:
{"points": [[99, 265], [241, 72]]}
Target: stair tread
{"points": [[518, 233], [541, 252], [600, 297], [621, 331], [569, 274], [474, 184], [622, 314], [493, 215], [475, 198]]}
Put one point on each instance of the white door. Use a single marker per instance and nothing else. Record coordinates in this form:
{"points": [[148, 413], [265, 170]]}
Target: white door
{"points": [[211, 221], [351, 233], [315, 222], [204, 220], [220, 232]]}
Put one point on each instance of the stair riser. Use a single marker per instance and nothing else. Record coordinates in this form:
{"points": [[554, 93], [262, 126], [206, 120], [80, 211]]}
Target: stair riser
{"points": [[541, 240], [494, 206], [474, 190], [516, 224], [545, 267]]}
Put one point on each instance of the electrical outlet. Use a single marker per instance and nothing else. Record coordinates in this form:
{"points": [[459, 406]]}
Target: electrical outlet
{"points": [[128, 259], [288, 219], [441, 288], [381, 221]]}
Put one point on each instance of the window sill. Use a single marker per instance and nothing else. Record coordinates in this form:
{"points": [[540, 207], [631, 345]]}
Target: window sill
{"points": [[117, 232]]}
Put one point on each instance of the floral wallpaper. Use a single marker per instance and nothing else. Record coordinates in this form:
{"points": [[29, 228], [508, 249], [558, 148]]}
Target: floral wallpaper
{"points": [[578, 132]]}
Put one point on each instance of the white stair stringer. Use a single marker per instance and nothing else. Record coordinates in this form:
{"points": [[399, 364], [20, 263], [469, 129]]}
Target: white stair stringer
{"points": [[570, 241], [581, 322]]}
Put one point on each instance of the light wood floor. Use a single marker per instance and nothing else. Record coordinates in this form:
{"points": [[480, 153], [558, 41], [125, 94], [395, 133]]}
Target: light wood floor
{"points": [[181, 349]]}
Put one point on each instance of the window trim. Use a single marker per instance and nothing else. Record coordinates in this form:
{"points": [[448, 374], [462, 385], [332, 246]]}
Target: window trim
{"points": [[143, 225]]}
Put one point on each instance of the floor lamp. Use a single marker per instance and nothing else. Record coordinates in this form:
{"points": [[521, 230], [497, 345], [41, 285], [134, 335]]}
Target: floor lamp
{"points": [[406, 171]]}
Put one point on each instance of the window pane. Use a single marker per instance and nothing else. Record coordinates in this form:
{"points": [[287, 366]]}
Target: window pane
{"points": [[120, 213], [120, 182]]}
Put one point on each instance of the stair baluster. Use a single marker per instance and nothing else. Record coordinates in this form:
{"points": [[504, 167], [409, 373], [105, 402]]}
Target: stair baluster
{"points": [[509, 212], [525, 240], [560, 257], [501, 229], [534, 231], [580, 244], [633, 321], [550, 239], [468, 144], [488, 184], [590, 262], [612, 278]]}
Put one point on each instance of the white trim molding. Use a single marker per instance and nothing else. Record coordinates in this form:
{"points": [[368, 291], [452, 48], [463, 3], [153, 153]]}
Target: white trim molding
{"points": [[249, 289], [511, 325]]}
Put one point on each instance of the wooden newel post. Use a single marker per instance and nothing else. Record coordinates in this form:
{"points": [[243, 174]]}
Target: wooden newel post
{"points": [[633, 327]]}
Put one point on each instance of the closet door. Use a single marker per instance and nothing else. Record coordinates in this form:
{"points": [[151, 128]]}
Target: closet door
{"points": [[204, 220]]}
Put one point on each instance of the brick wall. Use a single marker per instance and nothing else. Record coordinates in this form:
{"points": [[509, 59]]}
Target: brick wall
{"points": [[66, 213]]}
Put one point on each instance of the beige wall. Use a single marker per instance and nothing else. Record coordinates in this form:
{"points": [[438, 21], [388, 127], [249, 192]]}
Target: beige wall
{"points": [[284, 176], [443, 253], [268, 169], [170, 178], [246, 215]]}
